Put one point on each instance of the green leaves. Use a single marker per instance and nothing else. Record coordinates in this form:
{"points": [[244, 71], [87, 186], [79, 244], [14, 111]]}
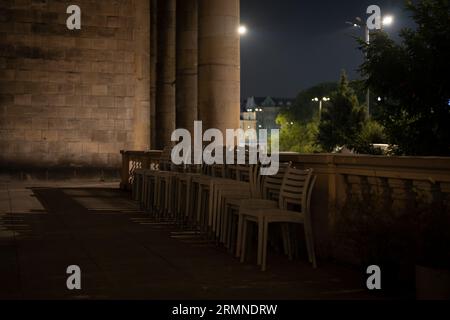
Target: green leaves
{"points": [[297, 136], [343, 118], [413, 77]]}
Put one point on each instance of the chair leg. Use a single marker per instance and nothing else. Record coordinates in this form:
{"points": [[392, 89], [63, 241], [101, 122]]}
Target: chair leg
{"points": [[264, 245], [188, 201], [142, 189], [145, 194], [223, 223], [181, 200], [161, 199], [155, 197], [227, 225], [231, 227], [240, 230], [260, 226], [233, 232], [222, 219], [170, 198], [209, 208], [192, 205], [295, 243], [199, 204], [150, 194], [205, 211], [178, 198], [215, 221], [167, 200], [230, 231], [283, 237], [310, 244], [166, 208], [134, 189], [287, 240], [244, 239]]}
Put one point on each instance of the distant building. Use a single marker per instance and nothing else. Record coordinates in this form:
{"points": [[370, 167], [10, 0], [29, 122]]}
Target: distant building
{"points": [[261, 112], [248, 120]]}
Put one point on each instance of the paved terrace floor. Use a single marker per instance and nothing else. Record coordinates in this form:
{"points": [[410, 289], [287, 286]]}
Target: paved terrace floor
{"points": [[47, 226]]}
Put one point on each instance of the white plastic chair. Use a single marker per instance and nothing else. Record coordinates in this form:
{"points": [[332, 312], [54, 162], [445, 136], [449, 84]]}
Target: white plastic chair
{"points": [[296, 192]]}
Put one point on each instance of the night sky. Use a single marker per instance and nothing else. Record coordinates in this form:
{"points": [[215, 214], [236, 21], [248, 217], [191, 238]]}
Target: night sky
{"points": [[294, 44]]}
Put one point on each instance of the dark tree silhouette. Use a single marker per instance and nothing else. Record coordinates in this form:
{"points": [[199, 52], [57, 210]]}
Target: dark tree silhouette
{"points": [[413, 80], [342, 119]]}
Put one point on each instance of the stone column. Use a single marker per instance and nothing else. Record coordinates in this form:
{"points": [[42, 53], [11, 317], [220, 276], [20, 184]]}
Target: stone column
{"points": [[187, 64], [219, 64], [165, 93], [141, 110], [153, 65]]}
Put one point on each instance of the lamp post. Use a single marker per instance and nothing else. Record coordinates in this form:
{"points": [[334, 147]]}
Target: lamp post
{"points": [[387, 21], [321, 101]]}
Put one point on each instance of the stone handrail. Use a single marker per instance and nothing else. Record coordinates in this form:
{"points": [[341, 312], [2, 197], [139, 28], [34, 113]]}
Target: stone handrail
{"points": [[400, 182]]}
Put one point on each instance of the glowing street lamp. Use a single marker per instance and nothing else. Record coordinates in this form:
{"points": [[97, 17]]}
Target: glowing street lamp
{"points": [[388, 20], [242, 30], [321, 101]]}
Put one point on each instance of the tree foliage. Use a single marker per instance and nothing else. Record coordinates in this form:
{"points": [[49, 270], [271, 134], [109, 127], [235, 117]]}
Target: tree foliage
{"points": [[297, 136], [304, 109], [343, 118], [371, 133], [413, 79]]}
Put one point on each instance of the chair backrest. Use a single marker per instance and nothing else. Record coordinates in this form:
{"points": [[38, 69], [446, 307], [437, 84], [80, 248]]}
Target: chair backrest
{"points": [[215, 170], [295, 189], [236, 171], [254, 179], [239, 172], [243, 173], [271, 185], [307, 207]]}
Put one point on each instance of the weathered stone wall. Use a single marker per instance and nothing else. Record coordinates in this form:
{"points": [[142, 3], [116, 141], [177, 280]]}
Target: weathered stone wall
{"points": [[73, 98]]}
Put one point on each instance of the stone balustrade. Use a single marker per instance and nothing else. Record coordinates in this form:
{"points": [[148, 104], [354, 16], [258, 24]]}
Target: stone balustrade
{"points": [[132, 160], [400, 182]]}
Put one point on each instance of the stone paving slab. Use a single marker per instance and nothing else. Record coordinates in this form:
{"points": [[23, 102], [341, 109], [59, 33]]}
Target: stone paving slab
{"points": [[47, 226]]}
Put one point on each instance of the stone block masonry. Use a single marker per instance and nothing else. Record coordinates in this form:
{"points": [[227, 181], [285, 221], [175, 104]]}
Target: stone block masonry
{"points": [[135, 71], [73, 98]]}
